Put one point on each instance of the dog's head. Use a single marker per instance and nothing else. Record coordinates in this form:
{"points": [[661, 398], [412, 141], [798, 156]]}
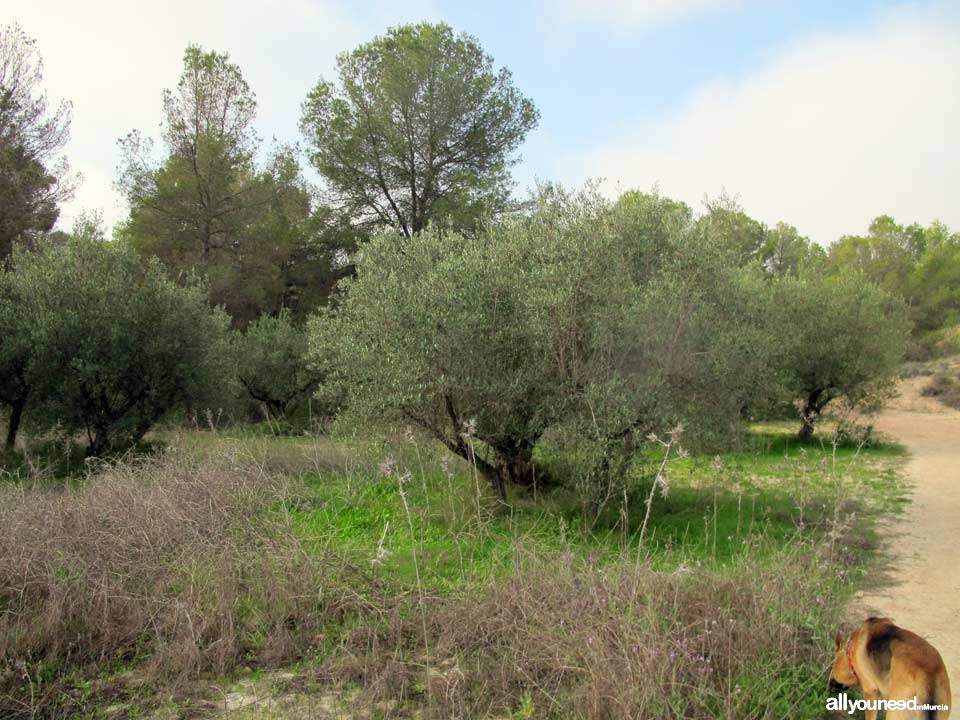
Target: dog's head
{"points": [[842, 675]]}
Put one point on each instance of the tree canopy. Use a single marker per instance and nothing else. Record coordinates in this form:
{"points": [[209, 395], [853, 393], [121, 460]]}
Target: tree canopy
{"points": [[839, 336], [103, 344], [419, 129], [919, 264], [252, 232], [34, 178], [563, 316]]}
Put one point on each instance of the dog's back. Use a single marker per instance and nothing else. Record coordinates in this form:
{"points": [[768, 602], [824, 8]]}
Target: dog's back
{"points": [[906, 667]]}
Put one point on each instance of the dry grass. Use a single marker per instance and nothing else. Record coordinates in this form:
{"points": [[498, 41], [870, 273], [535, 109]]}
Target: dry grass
{"points": [[167, 561], [570, 638]]}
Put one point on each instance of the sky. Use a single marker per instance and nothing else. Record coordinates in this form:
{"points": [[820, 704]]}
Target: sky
{"points": [[820, 113]]}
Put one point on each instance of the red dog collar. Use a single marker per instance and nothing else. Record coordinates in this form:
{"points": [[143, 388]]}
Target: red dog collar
{"points": [[850, 659]]}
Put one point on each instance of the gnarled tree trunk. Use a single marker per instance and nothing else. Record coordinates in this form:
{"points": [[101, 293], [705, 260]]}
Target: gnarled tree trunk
{"points": [[806, 427], [515, 465], [812, 408], [13, 426]]}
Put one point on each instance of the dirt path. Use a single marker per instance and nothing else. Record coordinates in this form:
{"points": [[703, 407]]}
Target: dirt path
{"points": [[923, 592]]}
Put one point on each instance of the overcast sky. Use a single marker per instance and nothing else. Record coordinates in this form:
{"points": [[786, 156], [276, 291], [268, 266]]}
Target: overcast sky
{"points": [[821, 113]]}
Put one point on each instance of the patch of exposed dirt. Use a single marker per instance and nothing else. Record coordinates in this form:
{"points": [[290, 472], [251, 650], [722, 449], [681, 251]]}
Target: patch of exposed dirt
{"points": [[921, 590]]}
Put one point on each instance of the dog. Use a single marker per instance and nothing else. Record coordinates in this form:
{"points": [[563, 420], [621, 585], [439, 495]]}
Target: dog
{"points": [[891, 663]]}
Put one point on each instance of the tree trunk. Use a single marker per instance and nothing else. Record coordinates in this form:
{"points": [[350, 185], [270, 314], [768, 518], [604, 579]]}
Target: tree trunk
{"points": [[16, 415], [143, 428], [98, 443], [512, 467], [518, 469], [496, 479], [810, 413], [490, 472], [515, 466]]}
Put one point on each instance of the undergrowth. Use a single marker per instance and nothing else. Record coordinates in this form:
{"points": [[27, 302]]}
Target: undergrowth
{"points": [[390, 574]]}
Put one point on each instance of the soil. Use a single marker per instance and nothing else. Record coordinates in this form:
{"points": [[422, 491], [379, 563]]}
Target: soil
{"points": [[921, 586]]}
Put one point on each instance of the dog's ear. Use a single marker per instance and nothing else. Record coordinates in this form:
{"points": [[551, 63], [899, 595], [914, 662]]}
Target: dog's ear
{"points": [[837, 641]]}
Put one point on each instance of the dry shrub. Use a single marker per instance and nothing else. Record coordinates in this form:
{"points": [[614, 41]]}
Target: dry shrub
{"points": [[192, 566], [945, 387], [566, 637], [286, 456]]}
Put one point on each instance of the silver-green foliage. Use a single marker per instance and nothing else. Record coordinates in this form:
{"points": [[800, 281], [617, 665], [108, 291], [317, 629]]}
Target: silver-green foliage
{"points": [[839, 336], [566, 316], [105, 344], [272, 365]]}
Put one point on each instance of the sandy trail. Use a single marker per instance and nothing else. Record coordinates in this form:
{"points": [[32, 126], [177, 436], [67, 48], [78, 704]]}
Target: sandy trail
{"points": [[923, 591]]}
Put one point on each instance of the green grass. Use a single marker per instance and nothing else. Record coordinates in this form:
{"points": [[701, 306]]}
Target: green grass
{"points": [[423, 522], [456, 534], [445, 533]]}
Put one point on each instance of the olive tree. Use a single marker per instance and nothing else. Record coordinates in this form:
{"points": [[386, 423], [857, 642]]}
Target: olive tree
{"points": [[24, 355], [558, 317], [113, 345], [472, 338], [839, 337], [272, 366]]}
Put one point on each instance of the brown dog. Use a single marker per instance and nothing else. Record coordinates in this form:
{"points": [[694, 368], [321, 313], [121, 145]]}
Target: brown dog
{"points": [[894, 664]]}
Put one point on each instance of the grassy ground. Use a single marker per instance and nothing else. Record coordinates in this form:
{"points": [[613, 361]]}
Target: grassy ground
{"points": [[443, 602], [776, 490], [427, 524]]}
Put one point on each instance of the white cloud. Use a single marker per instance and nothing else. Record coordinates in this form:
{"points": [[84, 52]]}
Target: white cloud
{"points": [[837, 129], [112, 59]]}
